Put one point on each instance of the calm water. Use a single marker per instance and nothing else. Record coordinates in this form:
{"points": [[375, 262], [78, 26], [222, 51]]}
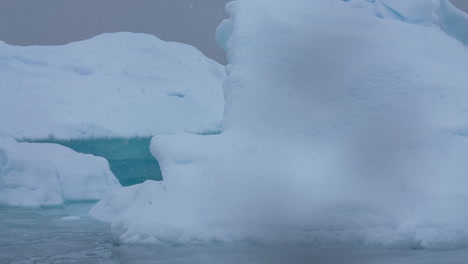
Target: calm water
{"points": [[29, 235]]}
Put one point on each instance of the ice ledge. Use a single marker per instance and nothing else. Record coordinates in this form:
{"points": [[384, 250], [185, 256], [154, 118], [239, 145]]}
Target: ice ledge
{"points": [[453, 21]]}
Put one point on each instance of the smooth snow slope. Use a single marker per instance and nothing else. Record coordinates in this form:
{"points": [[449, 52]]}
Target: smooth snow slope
{"points": [[345, 122], [113, 85]]}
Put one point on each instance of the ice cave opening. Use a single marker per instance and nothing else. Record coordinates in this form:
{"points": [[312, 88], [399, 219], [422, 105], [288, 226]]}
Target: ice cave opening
{"points": [[129, 159]]}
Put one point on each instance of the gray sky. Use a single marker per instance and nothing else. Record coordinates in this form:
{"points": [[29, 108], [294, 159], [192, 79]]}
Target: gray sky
{"points": [[48, 22], [462, 4]]}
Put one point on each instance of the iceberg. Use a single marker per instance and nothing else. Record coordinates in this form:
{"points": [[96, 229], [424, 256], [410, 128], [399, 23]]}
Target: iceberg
{"points": [[108, 96], [344, 122], [50, 175], [112, 85]]}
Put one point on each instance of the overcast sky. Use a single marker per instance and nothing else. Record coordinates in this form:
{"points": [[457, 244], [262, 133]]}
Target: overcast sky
{"points": [[462, 4], [47, 22]]}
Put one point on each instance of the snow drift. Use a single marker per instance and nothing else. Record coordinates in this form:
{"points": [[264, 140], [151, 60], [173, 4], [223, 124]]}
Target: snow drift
{"points": [[345, 122]]}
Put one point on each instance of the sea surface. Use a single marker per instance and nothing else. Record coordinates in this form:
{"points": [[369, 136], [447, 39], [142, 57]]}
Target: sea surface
{"points": [[63, 235]]}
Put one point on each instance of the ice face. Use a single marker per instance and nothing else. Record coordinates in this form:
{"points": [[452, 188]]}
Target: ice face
{"points": [[129, 158], [223, 32], [340, 126], [453, 21], [40, 174], [412, 11]]}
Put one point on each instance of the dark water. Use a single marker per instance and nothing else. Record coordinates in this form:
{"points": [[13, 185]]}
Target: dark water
{"points": [[38, 236]]}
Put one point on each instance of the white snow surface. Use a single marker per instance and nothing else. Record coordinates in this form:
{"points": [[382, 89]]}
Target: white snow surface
{"points": [[41, 174], [119, 84], [345, 122]]}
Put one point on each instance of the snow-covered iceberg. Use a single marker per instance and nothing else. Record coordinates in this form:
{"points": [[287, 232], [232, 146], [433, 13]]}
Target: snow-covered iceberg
{"points": [[345, 122], [108, 95], [113, 85], [49, 174]]}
